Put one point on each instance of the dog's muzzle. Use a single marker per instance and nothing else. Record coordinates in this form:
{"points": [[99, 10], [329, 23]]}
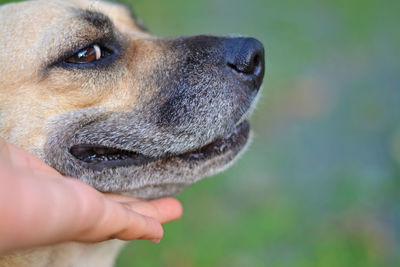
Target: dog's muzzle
{"points": [[193, 126]]}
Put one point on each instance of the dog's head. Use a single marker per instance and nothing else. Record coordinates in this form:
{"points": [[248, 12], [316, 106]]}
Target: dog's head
{"points": [[85, 88]]}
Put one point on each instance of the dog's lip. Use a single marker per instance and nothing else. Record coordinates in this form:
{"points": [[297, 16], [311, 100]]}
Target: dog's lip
{"points": [[98, 157], [237, 137]]}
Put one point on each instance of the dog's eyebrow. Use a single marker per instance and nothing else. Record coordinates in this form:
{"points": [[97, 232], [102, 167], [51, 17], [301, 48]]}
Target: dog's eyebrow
{"points": [[96, 19]]}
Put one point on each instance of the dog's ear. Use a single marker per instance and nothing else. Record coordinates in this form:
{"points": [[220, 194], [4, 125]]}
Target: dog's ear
{"points": [[120, 13]]}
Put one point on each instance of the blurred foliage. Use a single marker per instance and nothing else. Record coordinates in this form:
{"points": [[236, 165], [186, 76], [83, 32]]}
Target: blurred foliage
{"points": [[320, 185]]}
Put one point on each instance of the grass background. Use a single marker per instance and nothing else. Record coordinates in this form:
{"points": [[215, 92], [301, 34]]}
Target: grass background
{"points": [[320, 184]]}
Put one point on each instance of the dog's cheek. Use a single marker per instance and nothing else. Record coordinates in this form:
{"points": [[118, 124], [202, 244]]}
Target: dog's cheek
{"points": [[76, 89], [145, 64]]}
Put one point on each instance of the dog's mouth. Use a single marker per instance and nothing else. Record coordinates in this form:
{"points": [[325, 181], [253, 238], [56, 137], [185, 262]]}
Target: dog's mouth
{"points": [[99, 157]]}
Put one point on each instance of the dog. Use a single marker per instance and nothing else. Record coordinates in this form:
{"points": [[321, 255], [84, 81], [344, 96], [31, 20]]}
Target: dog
{"points": [[87, 89]]}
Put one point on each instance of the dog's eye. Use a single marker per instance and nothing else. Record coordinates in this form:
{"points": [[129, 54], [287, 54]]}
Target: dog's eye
{"points": [[87, 55]]}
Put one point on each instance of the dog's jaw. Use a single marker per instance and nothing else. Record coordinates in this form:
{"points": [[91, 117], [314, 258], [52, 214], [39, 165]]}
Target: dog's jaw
{"points": [[164, 175]]}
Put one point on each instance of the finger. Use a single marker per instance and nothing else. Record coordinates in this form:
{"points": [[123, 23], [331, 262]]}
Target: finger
{"points": [[121, 198], [118, 221], [164, 209], [142, 227], [101, 218], [171, 209]]}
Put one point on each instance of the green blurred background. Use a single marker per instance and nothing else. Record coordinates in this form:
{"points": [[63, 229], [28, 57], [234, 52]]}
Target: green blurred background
{"points": [[320, 184]]}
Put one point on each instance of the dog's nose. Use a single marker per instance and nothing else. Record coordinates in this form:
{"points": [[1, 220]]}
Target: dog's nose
{"points": [[246, 57]]}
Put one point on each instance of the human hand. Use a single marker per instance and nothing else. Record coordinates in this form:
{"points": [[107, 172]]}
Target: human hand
{"points": [[39, 206]]}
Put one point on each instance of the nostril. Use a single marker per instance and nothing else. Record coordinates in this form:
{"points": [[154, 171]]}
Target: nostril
{"points": [[246, 56], [255, 64], [238, 68], [257, 61], [250, 66]]}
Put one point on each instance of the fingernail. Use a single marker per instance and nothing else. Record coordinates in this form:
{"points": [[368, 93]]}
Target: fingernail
{"points": [[155, 240]]}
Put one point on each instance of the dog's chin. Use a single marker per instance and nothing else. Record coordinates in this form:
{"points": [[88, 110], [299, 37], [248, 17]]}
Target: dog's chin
{"points": [[110, 169]]}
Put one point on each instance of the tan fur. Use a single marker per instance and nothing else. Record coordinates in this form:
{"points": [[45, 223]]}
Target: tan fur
{"points": [[22, 124], [19, 78]]}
